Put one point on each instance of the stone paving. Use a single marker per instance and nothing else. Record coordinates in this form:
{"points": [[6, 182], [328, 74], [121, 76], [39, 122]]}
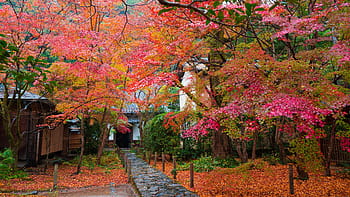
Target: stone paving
{"points": [[151, 182], [124, 190], [112, 191]]}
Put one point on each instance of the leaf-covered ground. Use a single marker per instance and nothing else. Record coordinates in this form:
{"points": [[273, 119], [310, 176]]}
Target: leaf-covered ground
{"points": [[39, 181], [268, 180]]}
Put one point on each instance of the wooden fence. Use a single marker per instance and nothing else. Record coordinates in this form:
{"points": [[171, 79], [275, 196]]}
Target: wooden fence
{"points": [[338, 155]]}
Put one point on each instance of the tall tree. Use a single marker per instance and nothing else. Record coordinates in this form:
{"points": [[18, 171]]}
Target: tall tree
{"points": [[286, 30], [23, 49], [90, 47]]}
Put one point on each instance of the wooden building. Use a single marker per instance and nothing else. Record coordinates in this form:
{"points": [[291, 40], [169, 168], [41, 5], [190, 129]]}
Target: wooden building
{"points": [[36, 141], [126, 140]]}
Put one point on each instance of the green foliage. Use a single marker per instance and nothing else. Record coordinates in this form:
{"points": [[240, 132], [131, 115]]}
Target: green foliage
{"points": [[307, 153], [6, 162], [87, 161], [166, 10], [249, 8], [92, 134], [157, 138], [206, 164], [193, 149], [343, 127], [109, 160], [22, 72], [255, 164], [344, 169], [228, 163], [272, 159]]}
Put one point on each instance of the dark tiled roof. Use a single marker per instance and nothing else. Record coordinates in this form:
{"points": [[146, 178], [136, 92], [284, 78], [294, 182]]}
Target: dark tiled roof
{"points": [[130, 108], [25, 96]]}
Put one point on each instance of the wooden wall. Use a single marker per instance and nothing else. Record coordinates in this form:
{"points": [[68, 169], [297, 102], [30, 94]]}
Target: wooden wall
{"points": [[52, 140]]}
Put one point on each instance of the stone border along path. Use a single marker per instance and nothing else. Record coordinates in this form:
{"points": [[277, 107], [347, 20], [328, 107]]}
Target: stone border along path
{"points": [[152, 182]]}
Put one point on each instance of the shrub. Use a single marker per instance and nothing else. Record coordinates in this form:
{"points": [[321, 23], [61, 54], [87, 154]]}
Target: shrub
{"points": [[92, 136], [193, 149], [6, 162], [157, 138], [257, 164], [206, 164], [109, 160], [307, 154], [272, 159], [228, 163]]}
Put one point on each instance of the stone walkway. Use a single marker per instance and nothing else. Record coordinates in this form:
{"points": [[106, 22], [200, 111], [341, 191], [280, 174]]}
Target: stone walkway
{"points": [[125, 190], [151, 182], [112, 191]]}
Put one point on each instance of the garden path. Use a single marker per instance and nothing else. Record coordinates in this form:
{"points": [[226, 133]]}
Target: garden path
{"points": [[151, 182]]}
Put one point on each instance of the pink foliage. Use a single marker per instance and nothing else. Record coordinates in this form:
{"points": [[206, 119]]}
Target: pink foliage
{"points": [[298, 109], [252, 125], [156, 79], [122, 126], [295, 25], [345, 143], [202, 128], [233, 110], [123, 129], [342, 50]]}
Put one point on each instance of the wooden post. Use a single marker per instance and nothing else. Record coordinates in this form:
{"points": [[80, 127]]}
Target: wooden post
{"points": [[126, 164], [291, 179], [129, 171], [174, 168], [155, 159], [125, 160], [191, 176], [163, 162], [55, 176], [149, 157]]}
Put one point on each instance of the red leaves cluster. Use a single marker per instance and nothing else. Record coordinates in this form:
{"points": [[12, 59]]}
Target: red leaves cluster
{"points": [[271, 180], [66, 179]]}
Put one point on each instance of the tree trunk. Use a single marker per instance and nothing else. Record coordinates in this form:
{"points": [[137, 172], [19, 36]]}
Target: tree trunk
{"points": [[241, 147], [330, 150], [255, 139], [221, 145], [82, 132], [103, 137], [280, 145], [5, 106]]}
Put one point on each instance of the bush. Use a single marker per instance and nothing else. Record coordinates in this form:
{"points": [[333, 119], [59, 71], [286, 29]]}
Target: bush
{"points": [[272, 159], [193, 149], [307, 154], [92, 136], [6, 162], [228, 163], [109, 160], [257, 164], [206, 164], [156, 138]]}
